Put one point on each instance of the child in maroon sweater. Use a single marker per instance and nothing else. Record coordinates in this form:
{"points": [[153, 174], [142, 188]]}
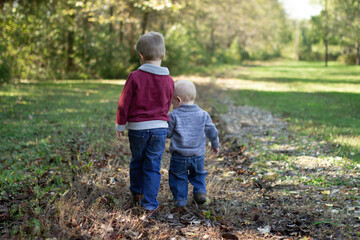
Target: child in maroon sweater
{"points": [[144, 104]]}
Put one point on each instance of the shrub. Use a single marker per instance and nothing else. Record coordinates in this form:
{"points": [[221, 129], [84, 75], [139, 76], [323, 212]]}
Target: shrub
{"points": [[348, 59], [5, 72]]}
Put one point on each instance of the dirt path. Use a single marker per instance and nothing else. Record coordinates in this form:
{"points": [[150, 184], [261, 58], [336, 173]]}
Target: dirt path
{"points": [[257, 185]]}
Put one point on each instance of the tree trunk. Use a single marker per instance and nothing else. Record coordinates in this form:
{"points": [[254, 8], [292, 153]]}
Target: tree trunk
{"points": [[70, 45], [121, 32], [358, 39], [297, 41], [132, 33], [111, 13], [85, 39], [110, 45], [326, 52], [144, 22], [357, 52], [212, 38], [326, 42]]}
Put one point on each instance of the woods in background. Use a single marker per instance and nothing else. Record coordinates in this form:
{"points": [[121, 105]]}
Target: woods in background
{"points": [[55, 39]]}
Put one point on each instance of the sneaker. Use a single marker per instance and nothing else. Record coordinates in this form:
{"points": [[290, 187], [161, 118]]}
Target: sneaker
{"points": [[136, 198], [181, 209], [134, 202], [200, 198], [149, 214]]}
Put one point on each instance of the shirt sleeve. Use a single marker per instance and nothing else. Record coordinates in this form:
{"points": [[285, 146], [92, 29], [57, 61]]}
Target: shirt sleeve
{"points": [[211, 132], [171, 125], [124, 104]]}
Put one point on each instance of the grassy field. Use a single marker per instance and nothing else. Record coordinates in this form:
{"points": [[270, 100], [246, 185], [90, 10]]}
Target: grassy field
{"points": [[55, 133], [50, 133], [317, 100]]}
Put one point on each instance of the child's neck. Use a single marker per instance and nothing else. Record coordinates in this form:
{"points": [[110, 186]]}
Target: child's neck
{"points": [[188, 103], [153, 62]]}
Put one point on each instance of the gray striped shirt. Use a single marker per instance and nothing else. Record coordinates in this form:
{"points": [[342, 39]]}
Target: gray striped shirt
{"points": [[189, 126]]}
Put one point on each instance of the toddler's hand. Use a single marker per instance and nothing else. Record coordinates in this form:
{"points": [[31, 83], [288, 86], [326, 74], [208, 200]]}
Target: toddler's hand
{"points": [[119, 135], [214, 151]]}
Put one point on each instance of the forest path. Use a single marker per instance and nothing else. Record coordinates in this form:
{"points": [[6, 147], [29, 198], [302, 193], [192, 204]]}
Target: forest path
{"points": [[266, 183]]}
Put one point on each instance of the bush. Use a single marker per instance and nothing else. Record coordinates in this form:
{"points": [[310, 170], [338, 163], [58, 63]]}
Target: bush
{"points": [[179, 47], [232, 54], [5, 72], [311, 56], [348, 59]]}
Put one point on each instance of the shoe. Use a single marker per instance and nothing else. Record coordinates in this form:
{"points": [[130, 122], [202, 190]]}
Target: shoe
{"points": [[181, 209], [149, 214], [136, 198], [134, 202], [200, 198]]}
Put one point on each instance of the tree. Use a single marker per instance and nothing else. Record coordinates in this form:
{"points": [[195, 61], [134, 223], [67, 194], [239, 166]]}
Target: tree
{"points": [[96, 38], [347, 15]]}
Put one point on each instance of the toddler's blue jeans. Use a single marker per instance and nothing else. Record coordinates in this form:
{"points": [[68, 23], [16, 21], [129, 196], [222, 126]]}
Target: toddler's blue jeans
{"points": [[182, 170], [147, 147]]}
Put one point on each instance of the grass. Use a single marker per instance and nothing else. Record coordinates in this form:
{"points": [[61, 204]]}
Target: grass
{"points": [[317, 101], [54, 134], [50, 133]]}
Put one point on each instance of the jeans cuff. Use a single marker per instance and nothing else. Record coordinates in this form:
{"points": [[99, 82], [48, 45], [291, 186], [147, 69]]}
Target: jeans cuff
{"points": [[200, 192]]}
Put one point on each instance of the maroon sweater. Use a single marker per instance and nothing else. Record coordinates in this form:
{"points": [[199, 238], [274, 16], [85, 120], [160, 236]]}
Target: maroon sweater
{"points": [[146, 96]]}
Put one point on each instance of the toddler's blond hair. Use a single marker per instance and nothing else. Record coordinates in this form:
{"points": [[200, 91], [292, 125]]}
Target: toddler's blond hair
{"points": [[186, 90]]}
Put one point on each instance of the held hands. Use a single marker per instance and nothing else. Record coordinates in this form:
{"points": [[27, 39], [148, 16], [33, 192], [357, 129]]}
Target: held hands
{"points": [[214, 151], [119, 135]]}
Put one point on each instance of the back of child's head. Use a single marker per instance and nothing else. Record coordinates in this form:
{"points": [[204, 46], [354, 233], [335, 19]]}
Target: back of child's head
{"points": [[151, 45], [186, 90]]}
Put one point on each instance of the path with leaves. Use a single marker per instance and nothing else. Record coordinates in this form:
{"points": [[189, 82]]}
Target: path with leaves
{"points": [[266, 183]]}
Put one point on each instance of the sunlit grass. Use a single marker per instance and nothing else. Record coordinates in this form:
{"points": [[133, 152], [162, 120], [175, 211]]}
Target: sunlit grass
{"points": [[291, 76], [353, 141], [41, 121], [297, 86]]}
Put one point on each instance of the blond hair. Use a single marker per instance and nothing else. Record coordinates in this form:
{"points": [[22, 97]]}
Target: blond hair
{"points": [[186, 90], [151, 45]]}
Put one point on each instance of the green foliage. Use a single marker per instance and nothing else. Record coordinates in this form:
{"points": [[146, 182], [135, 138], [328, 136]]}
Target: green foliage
{"points": [[178, 48], [5, 72], [92, 39], [232, 55], [347, 59]]}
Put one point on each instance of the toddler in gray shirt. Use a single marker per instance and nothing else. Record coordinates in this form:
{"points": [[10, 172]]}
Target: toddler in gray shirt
{"points": [[189, 126]]}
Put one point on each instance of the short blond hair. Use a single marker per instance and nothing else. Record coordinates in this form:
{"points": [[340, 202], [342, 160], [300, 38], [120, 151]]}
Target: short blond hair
{"points": [[151, 45], [186, 90]]}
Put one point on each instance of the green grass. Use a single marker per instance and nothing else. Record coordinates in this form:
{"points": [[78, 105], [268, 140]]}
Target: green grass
{"points": [[50, 132], [318, 101]]}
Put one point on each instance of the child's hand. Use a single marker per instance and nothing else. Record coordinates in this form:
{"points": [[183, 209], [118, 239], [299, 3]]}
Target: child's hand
{"points": [[119, 135], [214, 151]]}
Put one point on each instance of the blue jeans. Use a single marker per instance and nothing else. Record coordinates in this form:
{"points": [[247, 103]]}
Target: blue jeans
{"points": [[147, 147], [182, 170]]}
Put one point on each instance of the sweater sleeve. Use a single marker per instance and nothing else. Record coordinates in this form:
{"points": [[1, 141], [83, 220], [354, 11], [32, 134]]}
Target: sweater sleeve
{"points": [[211, 132], [124, 105], [171, 125]]}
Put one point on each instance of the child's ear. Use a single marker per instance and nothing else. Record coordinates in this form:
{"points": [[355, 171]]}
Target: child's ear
{"points": [[141, 56], [178, 99]]}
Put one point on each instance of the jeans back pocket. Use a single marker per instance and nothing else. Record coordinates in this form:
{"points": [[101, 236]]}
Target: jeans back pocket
{"points": [[178, 166]]}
